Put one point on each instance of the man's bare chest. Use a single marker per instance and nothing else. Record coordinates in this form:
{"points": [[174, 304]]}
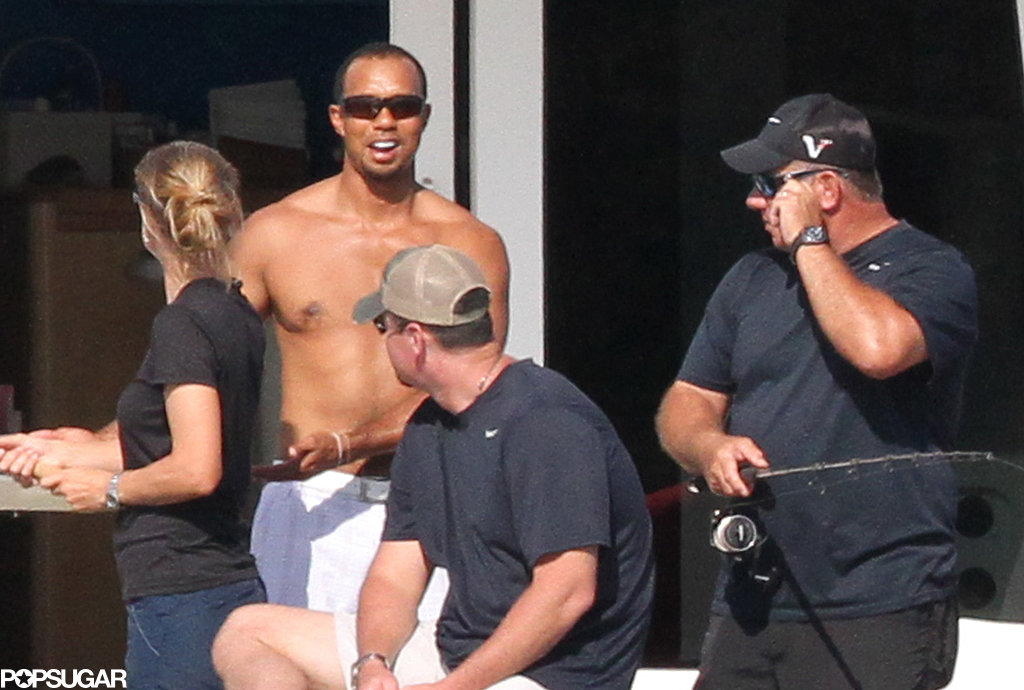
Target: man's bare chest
{"points": [[314, 283]]}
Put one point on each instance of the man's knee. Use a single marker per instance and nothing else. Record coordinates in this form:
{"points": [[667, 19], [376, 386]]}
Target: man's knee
{"points": [[241, 633]]}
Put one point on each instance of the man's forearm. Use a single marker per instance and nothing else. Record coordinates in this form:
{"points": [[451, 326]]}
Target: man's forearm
{"points": [[691, 426], [866, 326], [544, 613], [390, 596], [686, 422], [386, 619], [382, 434], [108, 432], [103, 453]]}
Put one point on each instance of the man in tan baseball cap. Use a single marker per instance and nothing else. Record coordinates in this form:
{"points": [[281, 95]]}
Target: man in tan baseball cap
{"points": [[428, 284], [509, 477]]}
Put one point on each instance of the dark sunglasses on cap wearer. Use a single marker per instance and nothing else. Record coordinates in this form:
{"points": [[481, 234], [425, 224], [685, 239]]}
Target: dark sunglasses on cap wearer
{"points": [[381, 323], [369, 107], [768, 185]]}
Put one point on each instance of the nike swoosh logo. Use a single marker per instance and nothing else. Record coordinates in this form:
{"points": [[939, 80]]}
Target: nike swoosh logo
{"points": [[490, 433]]}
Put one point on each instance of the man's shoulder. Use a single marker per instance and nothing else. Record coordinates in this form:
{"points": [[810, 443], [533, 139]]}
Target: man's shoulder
{"points": [[430, 204], [318, 204], [432, 208], [293, 210], [907, 241], [535, 393]]}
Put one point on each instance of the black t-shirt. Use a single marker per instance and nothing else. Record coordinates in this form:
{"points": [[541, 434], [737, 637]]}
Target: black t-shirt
{"points": [[209, 335], [860, 544], [532, 467]]}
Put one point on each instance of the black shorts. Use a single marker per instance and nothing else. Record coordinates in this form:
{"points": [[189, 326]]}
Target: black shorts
{"points": [[911, 649]]}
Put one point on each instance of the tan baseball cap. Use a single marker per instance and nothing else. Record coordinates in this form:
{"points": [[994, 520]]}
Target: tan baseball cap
{"points": [[426, 284]]}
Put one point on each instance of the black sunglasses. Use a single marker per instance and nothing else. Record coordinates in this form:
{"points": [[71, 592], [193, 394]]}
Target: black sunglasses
{"points": [[381, 324], [369, 107], [769, 185]]}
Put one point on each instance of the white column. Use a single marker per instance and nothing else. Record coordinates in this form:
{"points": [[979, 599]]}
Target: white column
{"points": [[424, 28], [506, 133], [1020, 28], [507, 151]]}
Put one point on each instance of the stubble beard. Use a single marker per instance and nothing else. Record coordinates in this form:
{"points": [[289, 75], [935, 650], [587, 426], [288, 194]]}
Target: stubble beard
{"points": [[384, 174], [387, 175]]}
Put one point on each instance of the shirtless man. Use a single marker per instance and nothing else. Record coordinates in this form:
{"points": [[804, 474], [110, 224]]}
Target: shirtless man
{"points": [[304, 261]]}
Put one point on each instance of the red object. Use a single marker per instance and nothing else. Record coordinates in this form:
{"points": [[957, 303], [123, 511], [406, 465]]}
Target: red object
{"points": [[663, 642]]}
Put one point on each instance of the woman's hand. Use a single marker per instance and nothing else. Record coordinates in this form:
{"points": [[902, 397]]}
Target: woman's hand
{"points": [[21, 455], [85, 488]]}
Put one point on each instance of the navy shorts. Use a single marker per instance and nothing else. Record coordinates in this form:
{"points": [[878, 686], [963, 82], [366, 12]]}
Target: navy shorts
{"points": [[911, 649], [170, 635]]}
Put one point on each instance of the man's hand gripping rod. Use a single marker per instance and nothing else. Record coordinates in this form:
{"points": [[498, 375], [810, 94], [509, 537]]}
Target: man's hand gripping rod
{"points": [[751, 474]]}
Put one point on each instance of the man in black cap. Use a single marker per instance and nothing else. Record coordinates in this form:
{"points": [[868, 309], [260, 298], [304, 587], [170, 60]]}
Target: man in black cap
{"points": [[847, 340]]}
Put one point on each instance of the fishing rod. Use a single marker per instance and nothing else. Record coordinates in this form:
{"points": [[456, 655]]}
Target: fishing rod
{"points": [[699, 485], [734, 532]]}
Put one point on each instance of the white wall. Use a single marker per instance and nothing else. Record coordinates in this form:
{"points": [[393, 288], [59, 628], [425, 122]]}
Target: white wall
{"points": [[424, 28], [507, 153], [506, 134], [1020, 27]]}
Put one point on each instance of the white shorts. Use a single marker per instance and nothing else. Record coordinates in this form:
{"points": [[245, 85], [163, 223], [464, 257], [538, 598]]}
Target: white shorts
{"points": [[418, 662], [314, 542]]}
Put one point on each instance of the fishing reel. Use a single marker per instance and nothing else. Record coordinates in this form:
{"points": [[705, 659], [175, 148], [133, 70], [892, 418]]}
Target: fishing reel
{"points": [[743, 538], [734, 532]]}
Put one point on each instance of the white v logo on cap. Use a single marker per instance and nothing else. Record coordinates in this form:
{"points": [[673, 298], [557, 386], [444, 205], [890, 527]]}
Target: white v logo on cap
{"points": [[815, 146]]}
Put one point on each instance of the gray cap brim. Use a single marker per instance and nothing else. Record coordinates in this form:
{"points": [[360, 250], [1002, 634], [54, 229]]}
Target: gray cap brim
{"points": [[754, 157], [368, 308]]}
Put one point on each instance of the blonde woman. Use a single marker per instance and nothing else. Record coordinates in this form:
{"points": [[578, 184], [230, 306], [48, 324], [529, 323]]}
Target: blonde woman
{"points": [[179, 469]]}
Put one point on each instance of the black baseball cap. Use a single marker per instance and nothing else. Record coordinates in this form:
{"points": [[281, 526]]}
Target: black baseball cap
{"points": [[817, 128]]}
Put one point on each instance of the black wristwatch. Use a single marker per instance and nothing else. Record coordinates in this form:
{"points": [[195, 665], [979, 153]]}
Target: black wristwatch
{"points": [[812, 234]]}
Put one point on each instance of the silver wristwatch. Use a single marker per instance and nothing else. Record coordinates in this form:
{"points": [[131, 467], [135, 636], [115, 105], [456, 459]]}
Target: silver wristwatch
{"points": [[113, 495], [812, 234], [361, 661]]}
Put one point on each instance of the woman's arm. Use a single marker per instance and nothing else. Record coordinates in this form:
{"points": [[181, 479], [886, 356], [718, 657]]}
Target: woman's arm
{"points": [[191, 470]]}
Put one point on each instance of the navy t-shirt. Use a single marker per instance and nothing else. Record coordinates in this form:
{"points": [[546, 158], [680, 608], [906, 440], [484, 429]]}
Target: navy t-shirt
{"points": [[532, 467], [877, 540], [209, 335]]}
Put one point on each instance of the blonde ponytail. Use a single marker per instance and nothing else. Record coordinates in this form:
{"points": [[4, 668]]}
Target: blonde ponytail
{"points": [[191, 192]]}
